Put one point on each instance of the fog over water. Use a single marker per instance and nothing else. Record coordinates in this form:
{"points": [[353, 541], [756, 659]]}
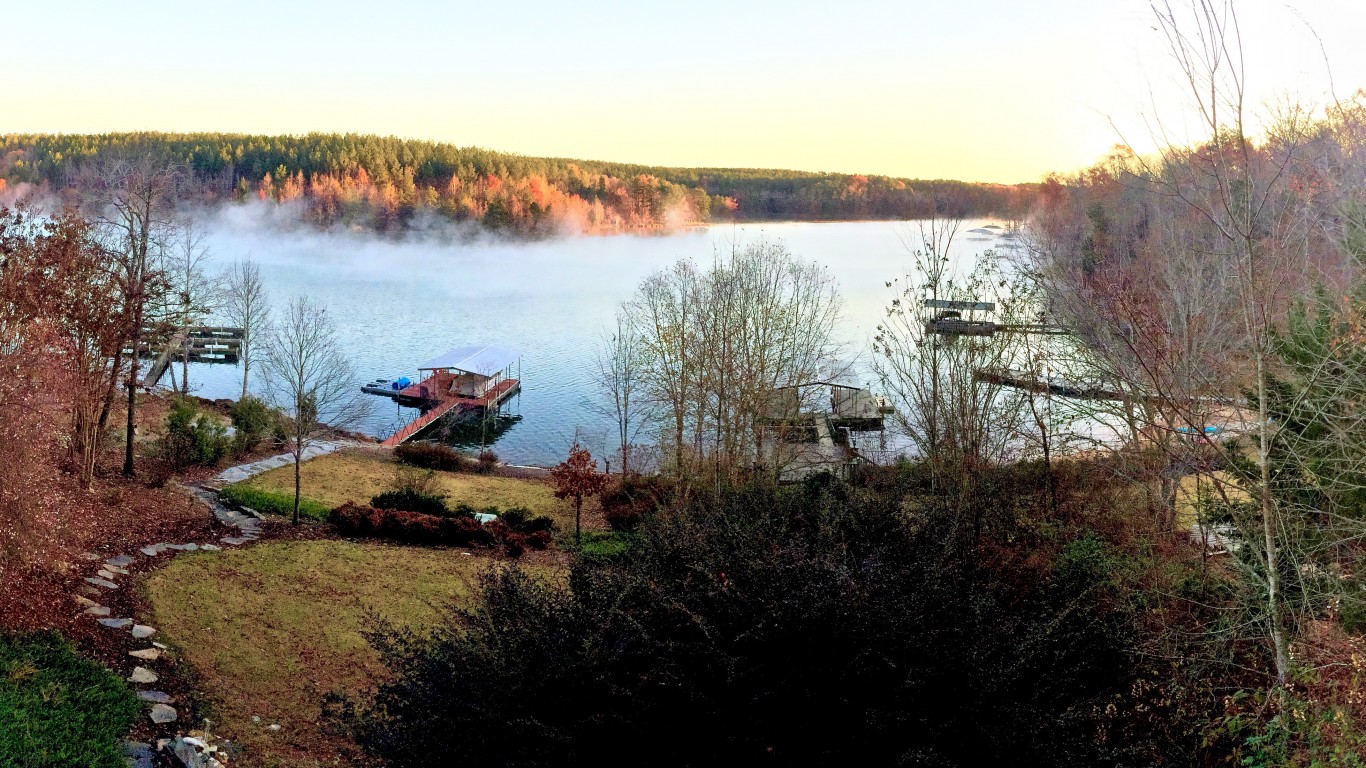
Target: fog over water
{"points": [[396, 304]]}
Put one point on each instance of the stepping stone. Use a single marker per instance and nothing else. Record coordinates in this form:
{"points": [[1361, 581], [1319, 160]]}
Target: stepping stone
{"points": [[122, 561], [163, 714], [139, 754], [210, 547], [142, 631], [101, 583], [84, 602], [143, 676], [115, 569], [234, 540], [150, 551], [146, 654], [86, 589], [103, 574], [116, 623], [156, 697], [91, 556], [97, 610], [159, 645]]}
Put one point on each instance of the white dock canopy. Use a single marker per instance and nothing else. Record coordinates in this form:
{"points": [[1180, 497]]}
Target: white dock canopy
{"points": [[479, 359]]}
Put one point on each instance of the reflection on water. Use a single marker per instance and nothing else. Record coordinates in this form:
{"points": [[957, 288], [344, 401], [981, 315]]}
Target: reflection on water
{"points": [[397, 304]]}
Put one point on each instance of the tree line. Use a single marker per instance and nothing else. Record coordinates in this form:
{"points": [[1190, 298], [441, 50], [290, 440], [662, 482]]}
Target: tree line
{"points": [[391, 184]]}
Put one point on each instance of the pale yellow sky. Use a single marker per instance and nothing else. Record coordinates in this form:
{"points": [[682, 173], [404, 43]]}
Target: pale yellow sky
{"points": [[989, 90]]}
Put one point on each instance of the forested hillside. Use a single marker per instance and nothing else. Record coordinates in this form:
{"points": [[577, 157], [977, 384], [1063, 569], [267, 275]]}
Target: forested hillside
{"points": [[388, 183]]}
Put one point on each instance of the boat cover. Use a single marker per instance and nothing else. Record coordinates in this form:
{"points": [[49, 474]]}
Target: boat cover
{"points": [[481, 359]]}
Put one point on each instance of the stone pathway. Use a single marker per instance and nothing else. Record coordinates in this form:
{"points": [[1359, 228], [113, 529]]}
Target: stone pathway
{"points": [[105, 581], [108, 572], [243, 471]]}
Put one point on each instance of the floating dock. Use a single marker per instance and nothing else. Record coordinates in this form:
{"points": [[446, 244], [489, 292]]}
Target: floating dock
{"points": [[205, 344], [463, 382], [455, 406]]}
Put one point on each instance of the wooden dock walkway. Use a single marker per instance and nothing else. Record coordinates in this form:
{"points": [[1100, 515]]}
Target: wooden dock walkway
{"points": [[164, 361], [433, 390]]}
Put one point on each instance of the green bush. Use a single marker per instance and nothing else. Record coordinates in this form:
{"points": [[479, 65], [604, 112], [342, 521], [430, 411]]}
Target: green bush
{"points": [[411, 500], [272, 502], [253, 421], [58, 708], [521, 520], [192, 437]]}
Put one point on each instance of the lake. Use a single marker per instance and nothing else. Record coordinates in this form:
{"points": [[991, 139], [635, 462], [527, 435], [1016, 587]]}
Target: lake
{"points": [[397, 304]]}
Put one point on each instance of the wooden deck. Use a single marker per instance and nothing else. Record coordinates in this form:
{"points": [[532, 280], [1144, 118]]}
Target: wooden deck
{"points": [[433, 391]]}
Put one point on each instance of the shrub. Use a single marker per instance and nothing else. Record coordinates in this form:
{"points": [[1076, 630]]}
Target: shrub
{"points": [[521, 520], [488, 461], [432, 456], [451, 530], [626, 502], [252, 420], [768, 627], [59, 708], [192, 437], [411, 501]]}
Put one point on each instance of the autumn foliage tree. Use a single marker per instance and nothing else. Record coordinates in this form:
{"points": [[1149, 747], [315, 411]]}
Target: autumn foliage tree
{"points": [[577, 478], [31, 395]]}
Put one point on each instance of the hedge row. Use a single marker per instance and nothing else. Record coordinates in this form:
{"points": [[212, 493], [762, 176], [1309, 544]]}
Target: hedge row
{"points": [[419, 528], [444, 458]]}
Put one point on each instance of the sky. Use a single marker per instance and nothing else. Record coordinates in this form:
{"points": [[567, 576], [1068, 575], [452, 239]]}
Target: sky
{"points": [[978, 90]]}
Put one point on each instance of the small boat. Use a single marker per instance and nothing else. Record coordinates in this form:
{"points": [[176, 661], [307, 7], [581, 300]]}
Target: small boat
{"points": [[381, 387]]}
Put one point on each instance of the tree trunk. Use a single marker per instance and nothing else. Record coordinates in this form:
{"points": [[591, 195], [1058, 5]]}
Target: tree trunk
{"points": [[298, 484], [108, 404], [298, 479], [1273, 577], [132, 409], [246, 361]]}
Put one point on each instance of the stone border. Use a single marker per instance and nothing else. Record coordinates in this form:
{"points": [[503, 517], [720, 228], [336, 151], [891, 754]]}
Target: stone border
{"points": [[105, 581]]}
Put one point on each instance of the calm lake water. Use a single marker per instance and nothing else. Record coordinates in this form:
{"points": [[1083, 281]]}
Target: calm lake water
{"points": [[396, 305]]}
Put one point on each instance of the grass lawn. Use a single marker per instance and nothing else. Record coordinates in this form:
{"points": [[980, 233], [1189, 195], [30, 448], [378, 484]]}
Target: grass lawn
{"points": [[58, 708], [1188, 494], [270, 629], [358, 475]]}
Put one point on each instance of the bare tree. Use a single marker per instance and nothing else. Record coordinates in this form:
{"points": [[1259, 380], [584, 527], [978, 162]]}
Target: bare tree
{"points": [[193, 294], [133, 195], [311, 380], [620, 370], [950, 415], [247, 307], [717, 344], [1183, 274]]}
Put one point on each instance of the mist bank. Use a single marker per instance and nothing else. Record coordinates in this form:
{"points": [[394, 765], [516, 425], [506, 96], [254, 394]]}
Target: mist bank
{"points": [[392, 185]]}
